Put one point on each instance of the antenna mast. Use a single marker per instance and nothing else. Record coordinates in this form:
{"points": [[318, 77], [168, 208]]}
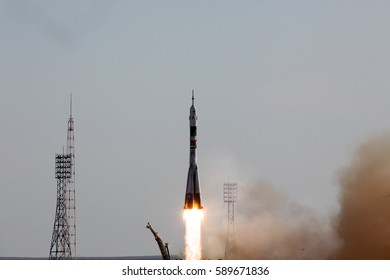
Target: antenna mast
{"points": [[70, 183]]}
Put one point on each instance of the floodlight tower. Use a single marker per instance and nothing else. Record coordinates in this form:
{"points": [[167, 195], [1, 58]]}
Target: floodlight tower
{"points": [[63, 243], [60, 248], [230, 197]]}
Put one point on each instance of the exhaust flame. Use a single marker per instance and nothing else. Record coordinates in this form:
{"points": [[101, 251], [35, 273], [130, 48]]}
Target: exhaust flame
{"points": [[193, 220]]}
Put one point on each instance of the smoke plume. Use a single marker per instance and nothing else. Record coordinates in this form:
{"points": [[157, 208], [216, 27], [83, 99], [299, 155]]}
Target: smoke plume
{"points": [[270, 226], [364, 219]]}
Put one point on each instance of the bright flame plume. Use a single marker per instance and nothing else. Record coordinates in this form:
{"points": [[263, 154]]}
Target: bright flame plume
{"points": [[193, 220]]}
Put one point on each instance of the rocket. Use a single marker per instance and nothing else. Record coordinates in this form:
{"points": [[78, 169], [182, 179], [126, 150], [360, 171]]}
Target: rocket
{"points": [[192, 199]]}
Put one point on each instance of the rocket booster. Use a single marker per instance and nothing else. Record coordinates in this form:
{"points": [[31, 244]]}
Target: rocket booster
{"points": [[192, 199]]}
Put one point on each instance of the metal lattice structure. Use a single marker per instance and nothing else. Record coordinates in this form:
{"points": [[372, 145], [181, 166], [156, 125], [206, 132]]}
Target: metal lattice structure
{"points": [[70, 184], [60, 248], [230, 197], [63, 242]]}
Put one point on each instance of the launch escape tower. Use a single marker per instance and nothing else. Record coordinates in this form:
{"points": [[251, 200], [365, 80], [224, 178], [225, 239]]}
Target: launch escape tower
{"points": [[230, 197], [63, 242]]}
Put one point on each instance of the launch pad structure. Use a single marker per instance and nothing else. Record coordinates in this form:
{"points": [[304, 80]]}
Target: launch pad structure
{"points": [[63, 242], [230, 197], [164, 248]]}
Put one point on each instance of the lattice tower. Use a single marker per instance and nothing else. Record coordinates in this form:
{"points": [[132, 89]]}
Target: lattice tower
{"points": [[63, 243], [60, 248], [230, 197]]}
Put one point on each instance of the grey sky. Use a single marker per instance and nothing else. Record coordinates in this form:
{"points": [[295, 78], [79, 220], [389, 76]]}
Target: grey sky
{"points": [[285, 91]]}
